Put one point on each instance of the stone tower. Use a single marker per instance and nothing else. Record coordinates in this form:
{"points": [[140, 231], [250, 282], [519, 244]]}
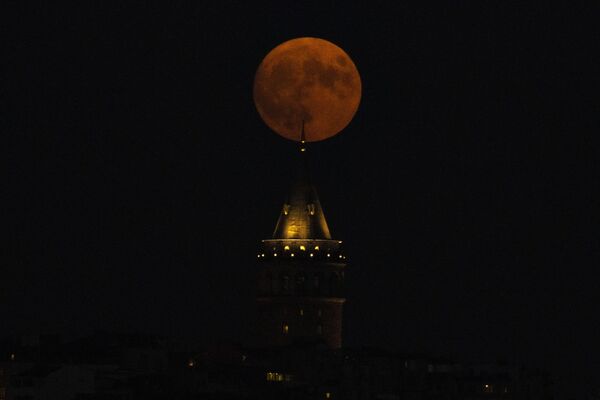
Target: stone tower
{"points": [[301, 272]]}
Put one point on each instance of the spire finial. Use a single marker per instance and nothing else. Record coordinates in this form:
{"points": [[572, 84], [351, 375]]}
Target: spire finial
{"points": [[302, 138]]}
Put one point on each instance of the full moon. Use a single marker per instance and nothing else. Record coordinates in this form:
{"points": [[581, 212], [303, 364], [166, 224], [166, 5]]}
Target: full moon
{"points": [[307, 81]]}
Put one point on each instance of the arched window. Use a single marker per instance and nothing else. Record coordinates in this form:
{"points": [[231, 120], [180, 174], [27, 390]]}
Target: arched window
{"points": [[300, 284], [285, 328], [268, 283], [275, 284], [316, 284], [332, 284], [335, 284], [285, 283]]}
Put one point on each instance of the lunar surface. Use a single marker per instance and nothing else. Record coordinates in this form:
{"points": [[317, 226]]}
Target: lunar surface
{"points": [[307, 80]]}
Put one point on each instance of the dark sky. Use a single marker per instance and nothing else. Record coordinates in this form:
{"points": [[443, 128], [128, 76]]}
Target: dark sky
{"points": [[141, 178]]}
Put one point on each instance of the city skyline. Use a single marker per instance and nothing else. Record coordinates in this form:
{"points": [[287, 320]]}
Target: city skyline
{"points": [[141, 177]]}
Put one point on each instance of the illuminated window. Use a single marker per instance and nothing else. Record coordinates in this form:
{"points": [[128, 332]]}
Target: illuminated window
{"points": [[311, 254], [274, 254], [286, 328], [191, 363], [487, 388], [275, 377], [316, 247], [302, 248], [301, 312], [328, 255], [12, 357], [286, 247], [292, 254], [327, 395]]}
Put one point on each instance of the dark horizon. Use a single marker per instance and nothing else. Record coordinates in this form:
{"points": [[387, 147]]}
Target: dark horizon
{"points": [[141, 179]]}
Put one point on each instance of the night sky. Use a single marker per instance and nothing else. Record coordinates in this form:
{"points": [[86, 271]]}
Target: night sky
{"points": [[141, 179]]}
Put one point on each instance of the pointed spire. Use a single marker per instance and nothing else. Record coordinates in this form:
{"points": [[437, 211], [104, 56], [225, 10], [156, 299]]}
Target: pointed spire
{"points": [[302, 139], [302, 216]]}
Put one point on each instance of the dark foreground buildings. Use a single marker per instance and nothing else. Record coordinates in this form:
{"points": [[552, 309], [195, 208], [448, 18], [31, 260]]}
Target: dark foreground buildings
{"points": [[115, 366], [296, 353]]}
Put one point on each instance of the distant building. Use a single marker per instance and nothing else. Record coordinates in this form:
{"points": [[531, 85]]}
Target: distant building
{"points": [[131, 367], [101, 366]]}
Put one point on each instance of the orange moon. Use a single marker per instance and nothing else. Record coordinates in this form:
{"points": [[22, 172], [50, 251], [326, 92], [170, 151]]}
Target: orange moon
{"points": [[307, 80]]}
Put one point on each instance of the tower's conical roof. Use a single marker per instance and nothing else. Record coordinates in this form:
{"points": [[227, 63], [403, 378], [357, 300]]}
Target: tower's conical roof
{"points": [[302, 216]]}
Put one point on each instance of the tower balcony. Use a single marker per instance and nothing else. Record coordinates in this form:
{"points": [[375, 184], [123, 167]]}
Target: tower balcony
{"points": [[302, 249]]}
